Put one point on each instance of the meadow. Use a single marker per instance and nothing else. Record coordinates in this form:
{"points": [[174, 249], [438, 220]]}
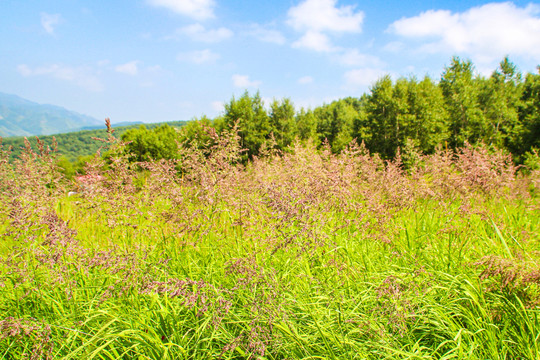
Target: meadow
{"points": [[303, 254]]}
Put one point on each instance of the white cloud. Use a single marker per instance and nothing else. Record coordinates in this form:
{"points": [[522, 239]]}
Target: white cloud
{"points": [[314, 40], [430, 23], [486, 33], [199, 56], [353, 57], [130, 68], [362, 77], [315, 18], [305, 80], [198, 32], [196, 9], [83, 77], [323, 15], [243, 81], [267, 35], [49, 21]]}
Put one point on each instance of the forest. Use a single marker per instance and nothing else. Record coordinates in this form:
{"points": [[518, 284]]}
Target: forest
{"points": [[412, 115]]}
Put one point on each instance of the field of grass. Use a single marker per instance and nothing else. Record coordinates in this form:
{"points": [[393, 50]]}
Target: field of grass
{"points": [[303, 255]]}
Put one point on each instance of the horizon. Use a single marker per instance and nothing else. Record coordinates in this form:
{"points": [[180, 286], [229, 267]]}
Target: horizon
{"points": [[169, 60]]}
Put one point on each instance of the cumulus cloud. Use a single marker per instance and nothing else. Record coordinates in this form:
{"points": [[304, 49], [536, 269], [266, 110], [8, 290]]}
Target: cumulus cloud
{"points": [[198, 56], [83, 77], [323, 15], [130, 68], [198, 32], [486, 33], [314, 40], [196, 9], [362, 77], [243, 81], [317, 18], [49, 21]]}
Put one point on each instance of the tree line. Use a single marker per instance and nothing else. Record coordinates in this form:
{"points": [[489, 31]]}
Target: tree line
{"points": [[409, 114]]}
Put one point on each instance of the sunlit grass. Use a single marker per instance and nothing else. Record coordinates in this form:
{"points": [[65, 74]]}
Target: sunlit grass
{"points": [[335, 260]]}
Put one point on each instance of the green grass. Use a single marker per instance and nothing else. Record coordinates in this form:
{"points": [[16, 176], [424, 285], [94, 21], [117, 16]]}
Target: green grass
{"points": [[274, 262]]}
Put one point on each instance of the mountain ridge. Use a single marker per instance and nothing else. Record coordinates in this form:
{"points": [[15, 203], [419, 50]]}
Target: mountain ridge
{"points": [[23, 117]]}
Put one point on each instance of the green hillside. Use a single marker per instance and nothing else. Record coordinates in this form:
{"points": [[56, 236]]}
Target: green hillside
{"points": [[75, 144]]}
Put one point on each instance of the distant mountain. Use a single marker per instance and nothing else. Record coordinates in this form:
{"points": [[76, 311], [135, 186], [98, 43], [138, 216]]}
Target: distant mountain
{"points": [[21, 117]]}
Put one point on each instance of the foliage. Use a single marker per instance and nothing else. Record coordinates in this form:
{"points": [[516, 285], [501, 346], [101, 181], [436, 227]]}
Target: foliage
{"points": [[252, 119], [144, 145], [529, 115], [282, 122]]}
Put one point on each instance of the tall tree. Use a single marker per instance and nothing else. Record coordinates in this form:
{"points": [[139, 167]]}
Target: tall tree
{"points": [[381, 118], [344, 115], [253, 121], [282, 122], [461, 91], [529, 114], [500, 98], [429, 125], [306, 124]]}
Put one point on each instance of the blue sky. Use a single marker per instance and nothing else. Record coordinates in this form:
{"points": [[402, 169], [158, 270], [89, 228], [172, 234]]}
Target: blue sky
{"points": [[161, 60]]}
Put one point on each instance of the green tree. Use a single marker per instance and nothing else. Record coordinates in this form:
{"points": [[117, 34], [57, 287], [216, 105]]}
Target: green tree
{"points": [[335, 123], [253, 121], [145, 145], [407, 115], [500, 99], [529, 116], [361, 131], [65, 167], [197, 129], [306, 124], [343, 114], [282, 122], [381, 118], [428, 126], [461, 92]]}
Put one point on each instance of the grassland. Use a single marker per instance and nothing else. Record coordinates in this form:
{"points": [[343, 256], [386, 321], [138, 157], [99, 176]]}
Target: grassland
{"points": [[302, 255]]}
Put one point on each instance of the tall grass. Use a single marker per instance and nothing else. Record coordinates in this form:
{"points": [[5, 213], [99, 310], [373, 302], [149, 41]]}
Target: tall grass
{"points": [[298, 255]]}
